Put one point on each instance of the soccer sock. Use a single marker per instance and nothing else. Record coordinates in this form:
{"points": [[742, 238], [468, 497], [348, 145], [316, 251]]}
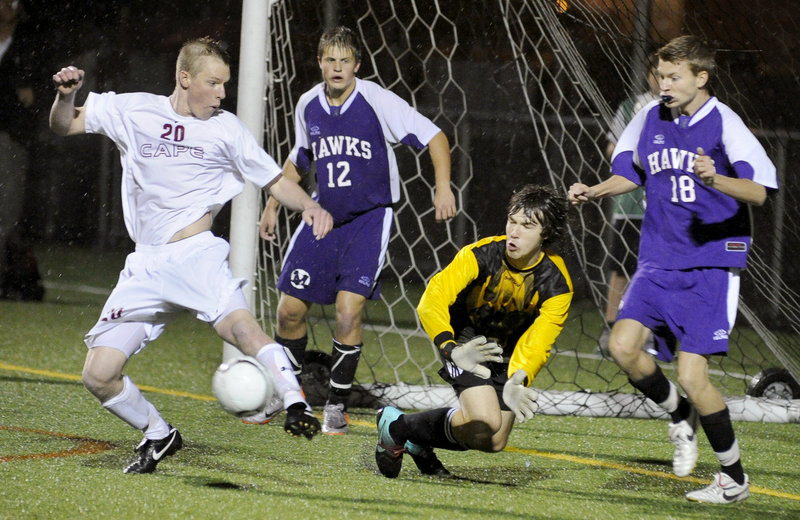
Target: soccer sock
{"points": [[131, 406], [295, 351], [343, 371], [431, 428], [274, 359], [664, 393], [719, 431]]}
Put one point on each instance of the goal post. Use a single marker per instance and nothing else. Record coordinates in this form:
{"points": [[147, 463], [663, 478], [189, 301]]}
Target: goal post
{"points": [[526, 91], [250, 109]]}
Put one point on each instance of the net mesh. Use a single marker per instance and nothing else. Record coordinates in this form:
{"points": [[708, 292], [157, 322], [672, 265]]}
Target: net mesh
{"points": [[526, 92]]}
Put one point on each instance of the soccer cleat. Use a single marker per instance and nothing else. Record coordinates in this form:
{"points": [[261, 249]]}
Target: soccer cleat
{"points": [[388, 454], [150, 452], [334, 420], [426, 460], [272, 409], [723, 490], [683, 435], [301, 422]]}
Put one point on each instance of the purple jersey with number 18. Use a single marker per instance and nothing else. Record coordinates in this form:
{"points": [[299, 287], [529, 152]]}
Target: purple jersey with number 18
{"points": [[351, 146], [688, 224]]}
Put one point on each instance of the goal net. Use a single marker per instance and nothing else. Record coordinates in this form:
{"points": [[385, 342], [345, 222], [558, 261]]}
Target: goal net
{"points": [[526, 92]]}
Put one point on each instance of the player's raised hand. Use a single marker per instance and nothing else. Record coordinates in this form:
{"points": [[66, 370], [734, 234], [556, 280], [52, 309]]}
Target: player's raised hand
{"points": [[704, 167], [521, 399], [471, 354], [444, 202], [68, 80], [579, 193]]}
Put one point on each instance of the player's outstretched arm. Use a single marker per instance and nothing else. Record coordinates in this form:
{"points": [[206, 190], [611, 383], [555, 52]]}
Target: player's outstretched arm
{"points": [[291, 195], [269, 217], [444, 201], [616, 184], [65, 119]]}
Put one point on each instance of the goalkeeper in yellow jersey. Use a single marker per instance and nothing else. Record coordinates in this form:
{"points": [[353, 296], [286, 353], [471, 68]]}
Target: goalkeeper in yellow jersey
{"points": [[494, 313]]}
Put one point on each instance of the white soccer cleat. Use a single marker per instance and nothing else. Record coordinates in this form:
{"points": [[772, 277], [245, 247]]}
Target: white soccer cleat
{"points": [[273, 408], [334, 420], [723, 490], [684, 436]]}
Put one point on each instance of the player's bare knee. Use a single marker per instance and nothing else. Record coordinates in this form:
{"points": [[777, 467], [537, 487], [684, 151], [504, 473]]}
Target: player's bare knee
{"points": [[100, 382], [289, 320], [347, 322], [622, 352]]}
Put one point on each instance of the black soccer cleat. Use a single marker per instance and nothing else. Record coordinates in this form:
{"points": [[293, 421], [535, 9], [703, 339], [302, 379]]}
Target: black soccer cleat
{"points": [[426, 460], [150, 452], [301, 422]]}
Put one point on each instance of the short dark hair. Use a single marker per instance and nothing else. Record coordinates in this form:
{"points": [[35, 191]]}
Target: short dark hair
{"points": [[692, 50], [340, 36], [545, 205]]}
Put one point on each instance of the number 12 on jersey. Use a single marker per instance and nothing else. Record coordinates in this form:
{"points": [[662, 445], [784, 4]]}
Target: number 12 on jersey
{"points": [[339, 180]]}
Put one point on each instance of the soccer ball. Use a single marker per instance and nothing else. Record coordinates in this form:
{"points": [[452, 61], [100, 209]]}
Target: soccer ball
{"points": [[242, 386]]}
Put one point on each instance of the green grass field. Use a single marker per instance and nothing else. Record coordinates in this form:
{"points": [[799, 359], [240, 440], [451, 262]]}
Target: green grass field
{"points": [[61, 454]]}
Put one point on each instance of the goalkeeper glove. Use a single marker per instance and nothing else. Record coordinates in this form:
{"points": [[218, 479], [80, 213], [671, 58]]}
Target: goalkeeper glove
{"points": [[518, 397], [471, 354]]}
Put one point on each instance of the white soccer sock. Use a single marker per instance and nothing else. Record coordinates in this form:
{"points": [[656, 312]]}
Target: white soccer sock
{"points": [[274, 359], [670, 404], [730, 456], [131, 406]]}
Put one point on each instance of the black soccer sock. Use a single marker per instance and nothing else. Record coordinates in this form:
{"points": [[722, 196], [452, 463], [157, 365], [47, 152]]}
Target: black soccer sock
{"points": [[664, 393], [719, 431], [343, 371], [431, 429], [295, 351]]}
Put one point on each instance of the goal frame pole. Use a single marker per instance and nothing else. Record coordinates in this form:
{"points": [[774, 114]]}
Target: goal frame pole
{"points": [[252, 79]]}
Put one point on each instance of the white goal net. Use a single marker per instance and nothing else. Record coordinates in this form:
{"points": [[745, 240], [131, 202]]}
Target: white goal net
{"points": [[526, 91]]}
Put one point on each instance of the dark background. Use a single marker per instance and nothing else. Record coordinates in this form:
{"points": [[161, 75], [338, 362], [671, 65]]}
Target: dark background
{"points": [[72, 194]]}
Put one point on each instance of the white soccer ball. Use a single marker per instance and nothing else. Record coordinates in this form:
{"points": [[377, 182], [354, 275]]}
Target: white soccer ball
{"points": [[242, 386]]}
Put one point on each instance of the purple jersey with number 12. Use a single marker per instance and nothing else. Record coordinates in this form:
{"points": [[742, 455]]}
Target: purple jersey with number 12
{"points": [[350, 145], [688, 224]]}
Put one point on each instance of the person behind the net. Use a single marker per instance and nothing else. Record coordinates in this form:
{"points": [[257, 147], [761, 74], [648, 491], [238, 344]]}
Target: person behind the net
{"points": [[627, 210], [701, 167], [344, 130], [183, 158], [494, 313]]}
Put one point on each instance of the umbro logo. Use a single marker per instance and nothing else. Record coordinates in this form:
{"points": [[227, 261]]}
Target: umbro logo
{"points": [[720, 335]]}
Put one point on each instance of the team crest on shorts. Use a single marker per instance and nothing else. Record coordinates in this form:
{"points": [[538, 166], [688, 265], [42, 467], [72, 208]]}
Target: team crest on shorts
{"points": [[300, 279]]}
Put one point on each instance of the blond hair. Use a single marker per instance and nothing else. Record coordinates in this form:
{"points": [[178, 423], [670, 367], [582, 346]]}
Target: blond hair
{"points": [[190, 58]]}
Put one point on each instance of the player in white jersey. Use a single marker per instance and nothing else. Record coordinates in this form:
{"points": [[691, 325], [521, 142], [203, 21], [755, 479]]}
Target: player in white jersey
{"points": [[183, 158], [701, 167], [345, 128]]}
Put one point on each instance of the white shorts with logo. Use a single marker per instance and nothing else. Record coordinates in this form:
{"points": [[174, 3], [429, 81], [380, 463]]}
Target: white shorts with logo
{"points": [[159, 281]]}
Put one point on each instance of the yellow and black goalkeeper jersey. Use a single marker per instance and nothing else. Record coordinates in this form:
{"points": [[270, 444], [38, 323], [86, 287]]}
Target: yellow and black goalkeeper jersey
{"points": [[524, 310]]}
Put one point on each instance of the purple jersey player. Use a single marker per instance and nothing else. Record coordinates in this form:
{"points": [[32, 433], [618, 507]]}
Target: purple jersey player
{"points": [[345, 128], [701, 168]]}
